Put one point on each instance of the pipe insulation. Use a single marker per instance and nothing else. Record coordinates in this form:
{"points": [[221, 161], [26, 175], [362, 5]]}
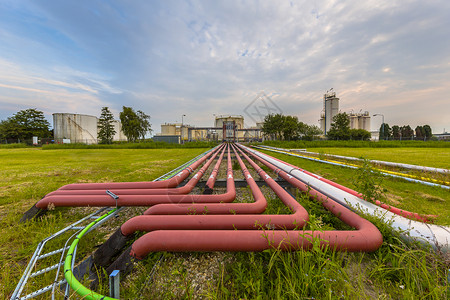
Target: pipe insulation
{"points": [[436, 236]]}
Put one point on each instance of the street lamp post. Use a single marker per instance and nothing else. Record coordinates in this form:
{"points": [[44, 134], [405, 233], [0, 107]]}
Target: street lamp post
{"points": [[382, 125], [181, 129]]}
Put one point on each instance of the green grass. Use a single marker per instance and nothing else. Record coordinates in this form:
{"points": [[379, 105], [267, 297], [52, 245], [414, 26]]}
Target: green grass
{"points": [[429, 157], [397, 270], [400, 193], [27, 174], [143, 145], [13, 146]]}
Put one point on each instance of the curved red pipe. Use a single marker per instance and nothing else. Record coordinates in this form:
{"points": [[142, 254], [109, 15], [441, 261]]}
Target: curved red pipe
{"points": [[366, 238], [186, 189], [209, 186], [169, 183], [256, 207], [395, 210], [218, 222], [140, 200]]}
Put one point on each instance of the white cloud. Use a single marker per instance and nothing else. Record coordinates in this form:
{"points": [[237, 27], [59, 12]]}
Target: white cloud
{"points": [[203, 57]]}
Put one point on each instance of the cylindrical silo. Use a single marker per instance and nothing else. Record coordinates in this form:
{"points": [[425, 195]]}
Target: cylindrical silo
{"points": [[77, 128]]}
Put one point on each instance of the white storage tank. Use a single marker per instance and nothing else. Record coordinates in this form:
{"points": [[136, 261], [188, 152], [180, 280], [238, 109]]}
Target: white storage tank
{"points": [[77, 128], [118, 136], [364, 121], [81, 128]]}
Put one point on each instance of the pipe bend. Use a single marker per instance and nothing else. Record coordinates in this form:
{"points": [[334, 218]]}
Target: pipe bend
{"points": [[169, 183]]}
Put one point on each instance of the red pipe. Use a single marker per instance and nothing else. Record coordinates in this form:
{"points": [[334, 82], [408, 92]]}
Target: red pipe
{"points": [[212, 178], [395, 210], [366, 238], [186, 189], [141, 200], [218, 222], [256, 207], [169, 183]]}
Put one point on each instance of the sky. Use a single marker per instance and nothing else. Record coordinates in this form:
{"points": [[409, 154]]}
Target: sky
{"points": [[205, 58]]}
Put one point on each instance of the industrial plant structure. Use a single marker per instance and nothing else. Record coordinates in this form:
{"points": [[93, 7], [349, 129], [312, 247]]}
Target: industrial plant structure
{"points": [[330, 109], [359, 120], [226, 128], [76, 128]]}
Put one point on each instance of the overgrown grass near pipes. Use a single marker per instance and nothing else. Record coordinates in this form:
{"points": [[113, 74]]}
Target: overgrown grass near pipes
{"points": [[429, 157], [27, 174], [396, 271], [406, 195]]}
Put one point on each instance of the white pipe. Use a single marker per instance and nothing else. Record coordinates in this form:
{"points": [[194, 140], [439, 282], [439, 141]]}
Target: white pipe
{"points": [[380, 162], [284, 151], [434, 235]]}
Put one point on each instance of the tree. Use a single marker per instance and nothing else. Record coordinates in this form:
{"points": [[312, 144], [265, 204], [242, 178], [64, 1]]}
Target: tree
{"points": [[105, 126], [282, 127], [385, 132], [396, 134], [145, 125], [273, 126], [406, 132], [360, 135], [420, 133], [312, 132], [427, 132], [308, 132], [290, 127], [134, 125], [340, 128], [25, 124]]}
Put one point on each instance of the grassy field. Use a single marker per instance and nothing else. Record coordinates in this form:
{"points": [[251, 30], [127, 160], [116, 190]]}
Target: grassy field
{"points": [[429, 157], [400, 193], [27, 174], [396, 270]]}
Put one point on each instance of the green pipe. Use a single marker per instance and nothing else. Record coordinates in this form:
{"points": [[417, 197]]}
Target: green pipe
{"points": [[80, 289]]}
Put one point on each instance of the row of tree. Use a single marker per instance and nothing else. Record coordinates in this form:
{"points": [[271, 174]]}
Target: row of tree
{"points": [[405, 132], [340, 130], [280, 127], [31, 122]]}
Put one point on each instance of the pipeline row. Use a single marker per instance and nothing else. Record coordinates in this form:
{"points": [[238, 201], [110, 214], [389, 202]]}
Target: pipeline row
{"points": [[231, 226], [178, 220], [408, 177], [398, 211], [436, 236]]}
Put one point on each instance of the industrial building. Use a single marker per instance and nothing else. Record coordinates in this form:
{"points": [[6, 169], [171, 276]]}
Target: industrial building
{"points": [[76, 128], [330, 109], [359, 120], [226, 128]]}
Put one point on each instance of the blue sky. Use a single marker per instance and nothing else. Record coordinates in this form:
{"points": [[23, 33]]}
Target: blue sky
{"points": [[200, 58]]}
